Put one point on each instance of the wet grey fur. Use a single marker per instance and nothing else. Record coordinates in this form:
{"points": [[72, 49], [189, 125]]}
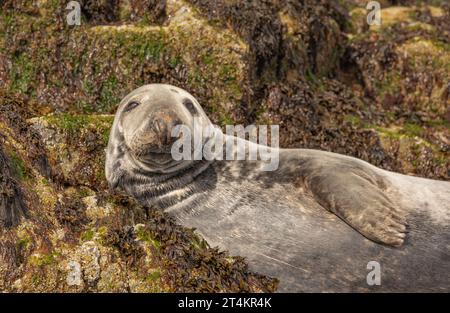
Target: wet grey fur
{"points": [[302, 223]]}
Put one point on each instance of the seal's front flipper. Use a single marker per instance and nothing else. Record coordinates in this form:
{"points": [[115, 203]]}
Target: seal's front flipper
{"points": [[357, 195]]}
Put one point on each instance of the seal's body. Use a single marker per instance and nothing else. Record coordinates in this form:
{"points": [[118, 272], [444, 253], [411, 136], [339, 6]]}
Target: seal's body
{"points": [[288, 223]]}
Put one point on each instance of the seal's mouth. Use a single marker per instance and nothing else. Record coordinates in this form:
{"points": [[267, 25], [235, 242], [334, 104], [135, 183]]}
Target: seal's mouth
{"points": [[150, 151], [153, 137], [152, 145], [154, 159]]}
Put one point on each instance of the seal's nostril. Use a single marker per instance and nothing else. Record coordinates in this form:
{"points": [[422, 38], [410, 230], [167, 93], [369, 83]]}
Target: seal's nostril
{"points": [[157, 124], [177, 122]]}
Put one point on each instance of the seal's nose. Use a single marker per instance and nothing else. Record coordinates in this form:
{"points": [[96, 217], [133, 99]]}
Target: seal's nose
{"points": [[161, 124]]}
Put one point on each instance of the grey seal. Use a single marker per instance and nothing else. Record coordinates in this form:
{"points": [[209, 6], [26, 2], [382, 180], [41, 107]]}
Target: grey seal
{"points": [[314, 223]]}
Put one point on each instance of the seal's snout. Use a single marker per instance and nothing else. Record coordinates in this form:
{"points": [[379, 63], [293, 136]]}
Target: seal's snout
{"points": [[163, 130], [163, 122], [156, 134]]}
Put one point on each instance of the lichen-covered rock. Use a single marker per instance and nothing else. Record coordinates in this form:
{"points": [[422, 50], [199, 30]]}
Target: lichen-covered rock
{"points": [[91, 67], [76, 144], [404, 66]]}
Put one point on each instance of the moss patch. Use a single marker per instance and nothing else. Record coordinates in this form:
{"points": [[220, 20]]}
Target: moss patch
{"points": [[18, 166]]}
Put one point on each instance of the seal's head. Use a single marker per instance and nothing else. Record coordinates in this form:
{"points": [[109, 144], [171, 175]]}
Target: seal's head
{"points": [[141, 133]]}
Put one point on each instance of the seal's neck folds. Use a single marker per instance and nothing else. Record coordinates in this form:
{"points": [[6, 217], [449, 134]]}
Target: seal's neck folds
{"points": [[163, 190]]}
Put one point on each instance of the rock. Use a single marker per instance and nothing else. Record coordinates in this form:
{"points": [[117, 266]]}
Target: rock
{"points": [[90, 254], [74, 274]]}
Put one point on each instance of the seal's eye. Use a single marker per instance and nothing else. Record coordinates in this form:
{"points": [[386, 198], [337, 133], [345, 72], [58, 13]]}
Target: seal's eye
{"points": [[130, 106], [189, 105]]}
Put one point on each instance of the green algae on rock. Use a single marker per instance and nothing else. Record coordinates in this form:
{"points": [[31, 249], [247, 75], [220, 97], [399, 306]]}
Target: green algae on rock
{"points": [[89, 68], [404, 65]]}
